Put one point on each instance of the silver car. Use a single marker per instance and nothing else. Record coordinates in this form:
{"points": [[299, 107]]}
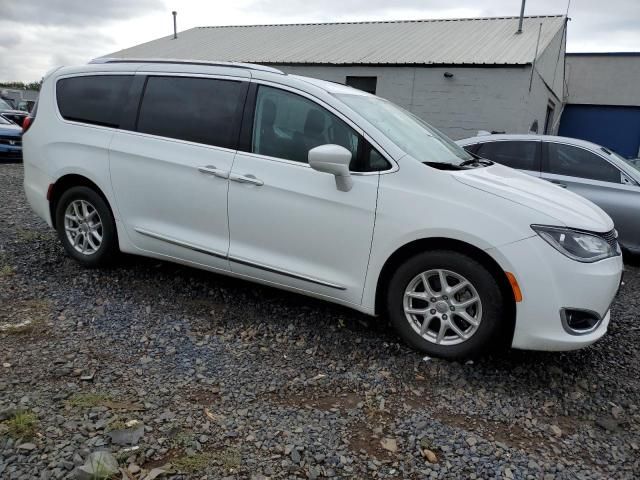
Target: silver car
{"points": [[585, 168]]}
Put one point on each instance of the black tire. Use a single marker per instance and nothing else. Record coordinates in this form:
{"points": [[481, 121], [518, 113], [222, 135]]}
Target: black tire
{"points": [[108, 249], [489, 331]]}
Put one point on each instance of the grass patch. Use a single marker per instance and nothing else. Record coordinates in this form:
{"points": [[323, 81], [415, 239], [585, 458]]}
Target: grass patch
{"points": [[22, 425], [25, 316], [7, 271], [88, 400], [228, 458], [25, 235]]}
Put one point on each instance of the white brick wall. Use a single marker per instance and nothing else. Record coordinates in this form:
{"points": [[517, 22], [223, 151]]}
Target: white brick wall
{"points": [[492, 98]]}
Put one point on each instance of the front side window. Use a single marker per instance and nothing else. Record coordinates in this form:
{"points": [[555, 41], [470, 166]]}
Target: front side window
{"points": [[520, 155], [578, 162], [287, 126], [202, 110], [93, 99]]}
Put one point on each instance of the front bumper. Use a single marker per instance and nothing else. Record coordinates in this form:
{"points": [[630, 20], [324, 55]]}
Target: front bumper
{"points": [[551, 282]]}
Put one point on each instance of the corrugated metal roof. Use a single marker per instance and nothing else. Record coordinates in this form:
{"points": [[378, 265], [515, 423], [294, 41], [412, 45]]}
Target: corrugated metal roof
{"points": [[471, 41]]}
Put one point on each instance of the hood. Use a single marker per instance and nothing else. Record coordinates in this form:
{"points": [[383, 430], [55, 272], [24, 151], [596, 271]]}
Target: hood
{"points": [[569, 209]]}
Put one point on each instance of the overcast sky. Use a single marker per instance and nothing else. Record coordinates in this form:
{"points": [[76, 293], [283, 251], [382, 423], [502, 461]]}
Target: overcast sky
{"points": [[36, 35]]}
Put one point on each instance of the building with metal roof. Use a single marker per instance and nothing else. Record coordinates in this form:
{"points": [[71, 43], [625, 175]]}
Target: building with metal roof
{"points": [[460, 75]]}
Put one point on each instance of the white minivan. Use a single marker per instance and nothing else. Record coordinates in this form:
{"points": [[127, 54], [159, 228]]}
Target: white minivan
{"points": [[321, 189]]}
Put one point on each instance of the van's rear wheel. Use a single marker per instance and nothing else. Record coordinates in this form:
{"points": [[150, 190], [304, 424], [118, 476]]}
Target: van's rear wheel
{"points": [[446, 304], [86, 227]]}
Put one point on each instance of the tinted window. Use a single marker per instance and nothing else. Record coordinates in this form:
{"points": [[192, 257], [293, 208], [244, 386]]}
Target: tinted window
{"points": [[520, 155], [287, 126], [98, 99], [578, 162], [201, 110]]}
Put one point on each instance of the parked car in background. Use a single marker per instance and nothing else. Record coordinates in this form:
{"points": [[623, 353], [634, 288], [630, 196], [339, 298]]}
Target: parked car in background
{"points": [[9, 113], [280, 179], [10, 140], [590, 170]]}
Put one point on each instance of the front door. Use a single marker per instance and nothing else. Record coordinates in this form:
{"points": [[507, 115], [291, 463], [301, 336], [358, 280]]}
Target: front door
{"points": [[170, 175], [288, 223]]}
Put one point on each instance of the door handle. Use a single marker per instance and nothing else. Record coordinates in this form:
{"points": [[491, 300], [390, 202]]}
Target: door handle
{"points": [[246, 179], [211, 170], [560, 184]]}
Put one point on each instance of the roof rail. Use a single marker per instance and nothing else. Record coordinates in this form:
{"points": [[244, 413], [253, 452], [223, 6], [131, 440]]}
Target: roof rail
{"points": [[247, 66]]}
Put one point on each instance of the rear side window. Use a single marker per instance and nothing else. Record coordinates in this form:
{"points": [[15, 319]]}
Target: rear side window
{"points": [[578, 162], [202, 110], [521, 155], [94, 99]]}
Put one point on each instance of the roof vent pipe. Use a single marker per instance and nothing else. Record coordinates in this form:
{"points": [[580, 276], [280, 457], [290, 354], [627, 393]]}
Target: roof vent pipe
{"points": [[175, 28], [521, 17]]}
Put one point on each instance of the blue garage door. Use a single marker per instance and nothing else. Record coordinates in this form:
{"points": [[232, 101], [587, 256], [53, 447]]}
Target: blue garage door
{"points": [[617, 128]]}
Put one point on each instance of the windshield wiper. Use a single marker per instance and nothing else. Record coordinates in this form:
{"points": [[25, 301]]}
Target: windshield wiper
{"points": [[476, 161]]}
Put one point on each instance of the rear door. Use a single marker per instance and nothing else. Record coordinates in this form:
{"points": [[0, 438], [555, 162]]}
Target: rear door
{"points": [[592, 176], [523, 155], [289, 224], [170, 171]]}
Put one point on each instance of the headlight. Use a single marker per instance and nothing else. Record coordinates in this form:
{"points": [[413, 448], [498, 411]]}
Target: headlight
{"points": [[578, 245]]}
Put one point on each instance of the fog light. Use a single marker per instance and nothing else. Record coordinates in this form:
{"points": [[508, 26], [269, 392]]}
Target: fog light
{"points": [[579, 322]]}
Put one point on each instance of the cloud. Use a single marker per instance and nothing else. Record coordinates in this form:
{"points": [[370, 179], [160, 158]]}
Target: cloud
{"points": [[36, 35], [73, 12]]}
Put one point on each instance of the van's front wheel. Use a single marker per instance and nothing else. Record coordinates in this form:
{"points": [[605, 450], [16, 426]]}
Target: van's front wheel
{"points": [[446, 304]]}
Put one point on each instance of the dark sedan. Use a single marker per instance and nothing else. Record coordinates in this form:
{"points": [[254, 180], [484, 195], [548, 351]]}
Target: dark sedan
{"points": [[10, 140], [10, 114]]}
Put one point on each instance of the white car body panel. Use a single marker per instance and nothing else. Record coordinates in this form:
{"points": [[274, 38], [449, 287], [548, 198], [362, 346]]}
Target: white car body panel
{"points": [[297, 231]]}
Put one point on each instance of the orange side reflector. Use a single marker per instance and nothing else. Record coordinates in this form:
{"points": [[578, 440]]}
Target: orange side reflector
{"points": [[517, 293], [49, 191]]}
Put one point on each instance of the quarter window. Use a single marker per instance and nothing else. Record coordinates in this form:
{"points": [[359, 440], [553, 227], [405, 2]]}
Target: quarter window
{"points": [[520, 155], [287, 126], [94, 99], [578, 162], [201, 110]]}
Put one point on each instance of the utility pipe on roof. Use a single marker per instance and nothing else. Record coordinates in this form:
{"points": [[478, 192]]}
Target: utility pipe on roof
{"points": [[521, 16], [175, 28]]}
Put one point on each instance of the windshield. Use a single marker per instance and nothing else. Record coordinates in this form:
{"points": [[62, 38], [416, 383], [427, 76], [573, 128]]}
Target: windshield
{"points": [[410, 133], [4, 105]]}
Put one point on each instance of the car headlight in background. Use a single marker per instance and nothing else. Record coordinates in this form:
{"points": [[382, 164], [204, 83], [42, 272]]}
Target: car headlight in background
{"points": [[578, 245]]}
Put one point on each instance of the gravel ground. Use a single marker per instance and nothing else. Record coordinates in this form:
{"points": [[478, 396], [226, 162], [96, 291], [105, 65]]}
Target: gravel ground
{"points": [[227, 379]]}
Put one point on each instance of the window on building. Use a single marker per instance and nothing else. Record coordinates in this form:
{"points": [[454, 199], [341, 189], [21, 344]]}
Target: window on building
{"points": [[548, 119], [201, 110], [578, 162], [287, 126], [520, 155], [94, 99], [366, 84]]}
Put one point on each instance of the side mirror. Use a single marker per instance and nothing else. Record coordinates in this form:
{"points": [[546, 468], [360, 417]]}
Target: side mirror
{"points": [[335, 160]]}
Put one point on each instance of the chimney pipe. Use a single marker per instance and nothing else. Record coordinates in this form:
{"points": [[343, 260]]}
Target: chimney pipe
{"points": [[175, 28], [521, 17]]}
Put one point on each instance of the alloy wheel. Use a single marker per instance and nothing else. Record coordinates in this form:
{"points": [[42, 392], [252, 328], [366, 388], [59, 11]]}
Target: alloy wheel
{"points": [[443, 307], [83, 227]]}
